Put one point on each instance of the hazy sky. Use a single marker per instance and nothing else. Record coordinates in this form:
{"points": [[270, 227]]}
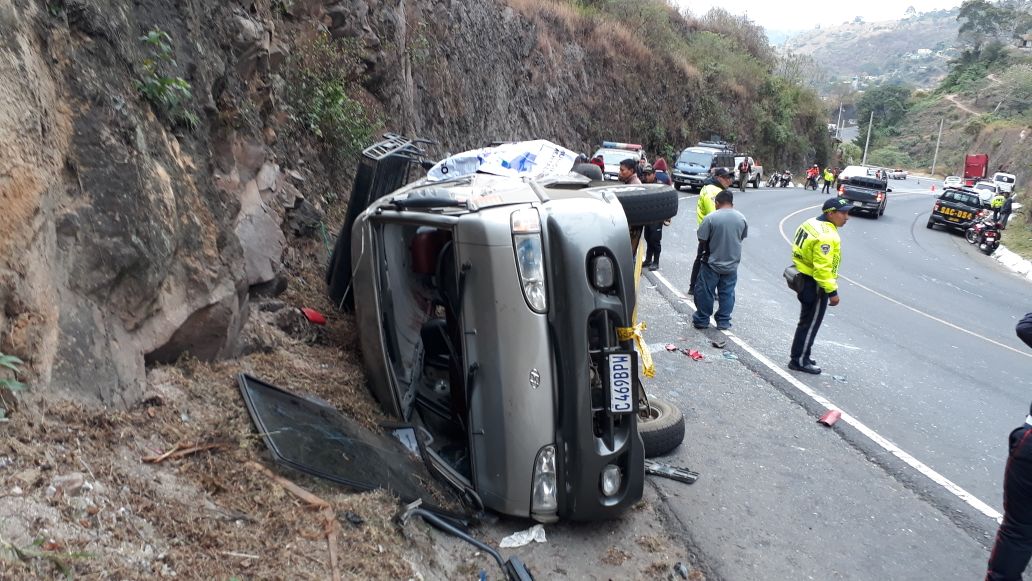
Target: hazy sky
{"points": [[804, 14]]}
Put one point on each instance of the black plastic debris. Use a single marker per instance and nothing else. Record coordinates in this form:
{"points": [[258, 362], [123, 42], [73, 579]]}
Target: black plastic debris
{"points": [[309, 435]]}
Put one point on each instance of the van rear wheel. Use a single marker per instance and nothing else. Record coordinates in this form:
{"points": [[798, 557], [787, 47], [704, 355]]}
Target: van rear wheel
{"points": [[661, 426]]}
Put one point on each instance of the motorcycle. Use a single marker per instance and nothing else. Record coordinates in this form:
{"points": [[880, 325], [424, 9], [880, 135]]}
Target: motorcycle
{"points": [[984, 233], [786, 178], [811, 182], [774, 179]]}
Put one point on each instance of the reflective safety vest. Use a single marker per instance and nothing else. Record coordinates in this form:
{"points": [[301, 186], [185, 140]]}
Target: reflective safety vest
{"points": [[997, 201], [706, 204], [817, 252], [828, 176]]}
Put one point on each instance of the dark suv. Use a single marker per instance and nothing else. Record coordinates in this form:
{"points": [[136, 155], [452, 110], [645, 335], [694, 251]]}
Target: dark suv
{"points": [[955, 208], [692, 168]]}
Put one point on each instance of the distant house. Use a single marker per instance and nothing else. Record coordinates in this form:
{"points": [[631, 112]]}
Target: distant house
{"points": [[1024, 42]]}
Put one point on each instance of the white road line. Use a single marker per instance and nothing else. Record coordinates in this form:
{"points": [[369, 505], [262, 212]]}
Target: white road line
{"points": [[875, 437], [781, 229]]}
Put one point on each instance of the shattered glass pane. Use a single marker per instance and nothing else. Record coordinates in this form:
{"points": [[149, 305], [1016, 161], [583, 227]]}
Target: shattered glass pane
{"points": [[311, 436]]}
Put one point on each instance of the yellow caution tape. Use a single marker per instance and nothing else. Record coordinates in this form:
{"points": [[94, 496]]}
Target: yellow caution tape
{"points": [[636, 330]]}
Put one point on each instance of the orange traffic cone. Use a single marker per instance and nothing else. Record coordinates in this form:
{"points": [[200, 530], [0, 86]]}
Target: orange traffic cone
{"points": [[933, 187]]}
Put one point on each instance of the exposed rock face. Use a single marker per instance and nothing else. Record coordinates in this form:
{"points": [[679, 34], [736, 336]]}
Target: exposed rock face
{"points": [[121, 239], [127, 240]]}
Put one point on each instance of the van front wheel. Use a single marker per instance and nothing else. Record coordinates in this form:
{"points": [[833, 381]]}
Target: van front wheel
{"points": [[661, 426]]}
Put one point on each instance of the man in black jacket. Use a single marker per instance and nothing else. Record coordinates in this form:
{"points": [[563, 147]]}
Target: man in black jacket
{"points": [[1005, 211], [1013, 547]]}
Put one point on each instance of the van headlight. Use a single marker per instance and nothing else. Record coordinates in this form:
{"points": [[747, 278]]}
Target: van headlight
{"points": [[543, 496], [530, 257], [603, 272], [611, 480]]}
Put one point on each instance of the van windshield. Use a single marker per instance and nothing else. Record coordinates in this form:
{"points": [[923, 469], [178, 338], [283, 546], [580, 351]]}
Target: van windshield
{"points": [[615, 156], [695, 159]]}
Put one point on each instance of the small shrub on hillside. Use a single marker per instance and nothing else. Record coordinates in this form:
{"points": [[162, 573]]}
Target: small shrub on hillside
{"points": [[169, 94], [9, 369], [322, 94]]}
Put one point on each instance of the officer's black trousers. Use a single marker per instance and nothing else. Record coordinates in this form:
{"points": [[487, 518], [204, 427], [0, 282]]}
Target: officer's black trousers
{"points": [[813, 304], [1013, 546], [654, 238]]}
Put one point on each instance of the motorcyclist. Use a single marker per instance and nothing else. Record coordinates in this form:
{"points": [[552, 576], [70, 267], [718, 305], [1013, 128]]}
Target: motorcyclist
{"points": [[786, 178], [811, 176]]}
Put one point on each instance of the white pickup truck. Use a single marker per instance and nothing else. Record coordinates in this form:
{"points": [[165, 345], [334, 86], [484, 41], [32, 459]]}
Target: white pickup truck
{"points": [[755, 173]]}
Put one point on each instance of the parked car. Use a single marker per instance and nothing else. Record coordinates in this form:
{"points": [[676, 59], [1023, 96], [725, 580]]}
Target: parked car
{"points": [[613, 153], [755, 172], [955, 208], [986, 191], [692, 168], [490, 310], [867, 194], [1004, 181], [953, 182], [898, 174]]}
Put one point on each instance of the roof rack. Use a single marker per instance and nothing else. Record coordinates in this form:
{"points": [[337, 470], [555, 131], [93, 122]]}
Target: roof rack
{"points": [[399, 145]]}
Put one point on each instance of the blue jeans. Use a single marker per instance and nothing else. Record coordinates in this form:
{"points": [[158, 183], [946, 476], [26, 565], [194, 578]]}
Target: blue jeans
{"points": [[713, 286]]}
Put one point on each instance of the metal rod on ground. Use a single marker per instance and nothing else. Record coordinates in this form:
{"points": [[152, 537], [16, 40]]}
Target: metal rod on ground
{"points": [[935, 158], [869, 124]]}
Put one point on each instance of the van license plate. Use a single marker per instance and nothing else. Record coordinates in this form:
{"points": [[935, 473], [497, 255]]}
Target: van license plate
{"points": [[857, 203], [621, 382]]}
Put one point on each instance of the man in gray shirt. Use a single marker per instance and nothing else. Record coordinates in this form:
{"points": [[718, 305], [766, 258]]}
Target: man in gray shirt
{"points": [[721, 233]]}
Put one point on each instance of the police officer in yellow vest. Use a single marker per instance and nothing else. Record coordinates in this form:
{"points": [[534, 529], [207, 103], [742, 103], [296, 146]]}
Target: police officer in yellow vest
{"points": [[996, 204], [722, 179], [816, 254]]}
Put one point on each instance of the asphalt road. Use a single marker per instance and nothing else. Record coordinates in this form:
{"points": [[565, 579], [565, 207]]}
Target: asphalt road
{"points": [[921, 351]]}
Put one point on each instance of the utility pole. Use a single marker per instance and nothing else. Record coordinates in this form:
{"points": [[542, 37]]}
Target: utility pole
{"points": [[869, 124], [937, 140], [838, 126]]}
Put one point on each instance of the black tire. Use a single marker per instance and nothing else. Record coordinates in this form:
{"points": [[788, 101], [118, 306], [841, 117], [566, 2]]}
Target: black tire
{"points": [[876, 214], [931, 224], [969, 235], [756, 182], [647, 204], [662, 430]]}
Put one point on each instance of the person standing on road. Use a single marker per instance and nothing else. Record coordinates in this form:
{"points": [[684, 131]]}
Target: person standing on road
{"points": [[1005, 211], [722, 233], [628, 172], [653, 232], [744, 173], [829, 177], [816, 254], [997, 205], [662, 171], [721, 181], [1013, 547]]}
